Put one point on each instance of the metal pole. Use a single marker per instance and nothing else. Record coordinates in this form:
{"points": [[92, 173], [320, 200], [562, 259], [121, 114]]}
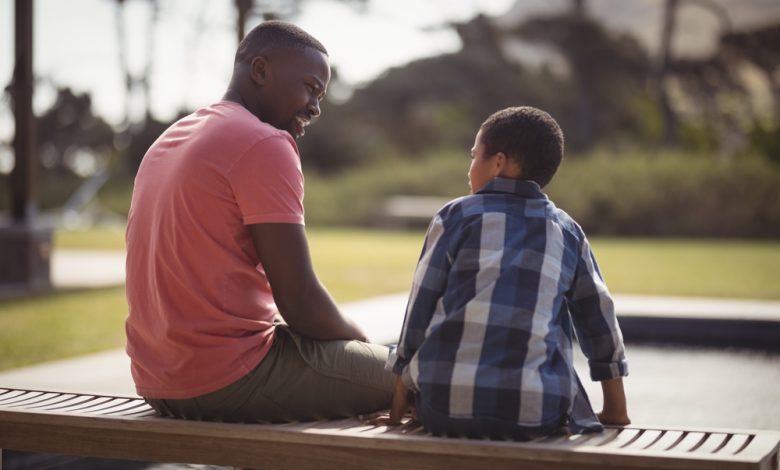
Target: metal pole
{"points": [[24, 174]]}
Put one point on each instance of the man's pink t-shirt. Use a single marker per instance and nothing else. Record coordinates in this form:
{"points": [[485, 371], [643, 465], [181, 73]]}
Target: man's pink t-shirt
{"points": [[201, 309]]}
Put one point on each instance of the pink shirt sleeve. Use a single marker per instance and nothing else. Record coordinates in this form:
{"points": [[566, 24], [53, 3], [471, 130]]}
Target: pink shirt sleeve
{"points": [[267, 182]]}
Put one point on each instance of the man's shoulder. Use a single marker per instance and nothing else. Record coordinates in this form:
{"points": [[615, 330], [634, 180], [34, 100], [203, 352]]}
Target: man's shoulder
{"points": [[227, 129], [235, 121]]}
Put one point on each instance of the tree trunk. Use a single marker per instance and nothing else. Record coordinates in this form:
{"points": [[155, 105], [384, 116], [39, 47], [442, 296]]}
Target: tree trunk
{"points": [[670, 121]]}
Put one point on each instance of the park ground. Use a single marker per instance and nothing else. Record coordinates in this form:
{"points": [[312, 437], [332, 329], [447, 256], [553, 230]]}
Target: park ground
{"points": [[356, 264]]}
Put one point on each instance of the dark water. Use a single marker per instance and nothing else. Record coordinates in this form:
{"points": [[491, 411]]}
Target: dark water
{"points": [[681, 386]]}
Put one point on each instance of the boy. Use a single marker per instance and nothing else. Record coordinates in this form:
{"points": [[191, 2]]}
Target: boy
{"points": [[486, 346]]}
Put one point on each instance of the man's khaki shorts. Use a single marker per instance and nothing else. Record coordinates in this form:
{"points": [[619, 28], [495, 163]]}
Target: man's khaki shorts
{"points": [[299, 380]]}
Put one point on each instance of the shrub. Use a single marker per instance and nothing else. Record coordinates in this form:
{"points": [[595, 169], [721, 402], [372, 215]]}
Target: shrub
{"points": [[667, 194]]}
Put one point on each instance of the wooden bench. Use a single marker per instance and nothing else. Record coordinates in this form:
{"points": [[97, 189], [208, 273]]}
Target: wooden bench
{"points": [[410, 211], [127, 428]]}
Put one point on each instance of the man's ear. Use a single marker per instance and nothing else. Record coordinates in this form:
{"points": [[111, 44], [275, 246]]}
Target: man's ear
{"points": [[260, 70]]}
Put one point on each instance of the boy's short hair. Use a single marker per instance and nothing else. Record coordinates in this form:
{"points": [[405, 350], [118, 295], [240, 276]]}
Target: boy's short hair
{"points": [[275, 33], [528, 135]]}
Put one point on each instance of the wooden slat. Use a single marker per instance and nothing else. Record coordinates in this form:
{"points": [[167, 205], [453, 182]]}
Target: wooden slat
{"points": [[118, 409], [103, 404], [12, 395], [87, 404], [71, 403], [60, 398], [714, 442], [623, 438], [669, 440], [31, 399], [691, 441], [142, 411], [647, 438], [735, 444]]}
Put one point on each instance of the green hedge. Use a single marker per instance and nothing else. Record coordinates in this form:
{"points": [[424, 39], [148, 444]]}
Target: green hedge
{"points": [[671, 195], [642, 194], [666, 194]]}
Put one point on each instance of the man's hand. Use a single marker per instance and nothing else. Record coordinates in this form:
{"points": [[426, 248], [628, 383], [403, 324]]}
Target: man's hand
{"points": [[394, 417], [303, 301]]}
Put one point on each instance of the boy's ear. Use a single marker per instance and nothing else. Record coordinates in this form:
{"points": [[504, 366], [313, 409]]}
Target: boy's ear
{"points": [[507, 167], [260, 70], [500, 162]]}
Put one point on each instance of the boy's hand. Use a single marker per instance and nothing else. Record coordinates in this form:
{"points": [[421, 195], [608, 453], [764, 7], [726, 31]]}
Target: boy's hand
{"points": [[614, 420], [615, 411], [393, 417]]}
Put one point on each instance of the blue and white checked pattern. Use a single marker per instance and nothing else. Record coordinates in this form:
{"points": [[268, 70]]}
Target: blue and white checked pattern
{"points": [[504, 280]]}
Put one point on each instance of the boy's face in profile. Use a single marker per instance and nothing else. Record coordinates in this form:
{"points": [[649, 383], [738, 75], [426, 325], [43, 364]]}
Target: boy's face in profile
{"points": [[481, 170]]}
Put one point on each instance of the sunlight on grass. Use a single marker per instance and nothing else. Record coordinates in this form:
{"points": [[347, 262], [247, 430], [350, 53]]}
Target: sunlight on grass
{"points": [[707, 268], [60, 325], [91, 239], [355, 264]]}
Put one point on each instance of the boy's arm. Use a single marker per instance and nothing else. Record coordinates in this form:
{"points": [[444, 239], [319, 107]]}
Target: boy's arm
{"points": [[401, 404], [593, 314], [430, 279], [614, 411]]}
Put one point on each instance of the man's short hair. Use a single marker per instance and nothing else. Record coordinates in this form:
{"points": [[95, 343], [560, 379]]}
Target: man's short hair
{"points": [[528, 135], [275, 33]]}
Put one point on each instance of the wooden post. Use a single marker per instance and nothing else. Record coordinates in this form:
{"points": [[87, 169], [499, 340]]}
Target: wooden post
{"points": [[23, 177], [25, 246]]}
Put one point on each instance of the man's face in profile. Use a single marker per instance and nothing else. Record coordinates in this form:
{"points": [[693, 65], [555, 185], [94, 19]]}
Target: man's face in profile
{"points": [[296, 83]]}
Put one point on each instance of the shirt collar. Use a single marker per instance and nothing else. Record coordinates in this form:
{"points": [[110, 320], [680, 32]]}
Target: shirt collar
{"points": [[522, 188]]}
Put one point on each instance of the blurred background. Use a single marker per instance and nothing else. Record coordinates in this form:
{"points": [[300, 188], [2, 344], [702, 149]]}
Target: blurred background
{"points": [[673, 106], [671, 111]]}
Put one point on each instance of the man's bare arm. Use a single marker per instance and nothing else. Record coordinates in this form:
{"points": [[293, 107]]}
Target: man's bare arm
{"points": [[302, 300]]}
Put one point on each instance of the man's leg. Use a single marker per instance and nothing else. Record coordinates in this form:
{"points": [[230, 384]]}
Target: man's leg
{"points": [[299, 380], [328, 379]]}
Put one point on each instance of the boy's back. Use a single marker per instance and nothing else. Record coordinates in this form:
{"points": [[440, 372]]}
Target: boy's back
{"points": [[504, 280], [499, 341]]}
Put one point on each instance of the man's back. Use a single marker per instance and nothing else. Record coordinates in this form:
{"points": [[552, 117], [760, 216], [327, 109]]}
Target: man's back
{"points": [[201, 309]]}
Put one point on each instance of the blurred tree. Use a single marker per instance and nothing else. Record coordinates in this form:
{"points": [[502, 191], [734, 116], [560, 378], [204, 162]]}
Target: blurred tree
{"points": [[608, 73], [718, 92], [761, 48], [71, 138], [438, 101], [140, 80], [666, 57], [272, 10], [73, 143]]}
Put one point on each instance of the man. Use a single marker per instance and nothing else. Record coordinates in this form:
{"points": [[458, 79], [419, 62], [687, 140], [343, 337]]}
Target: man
{"points": [[216, 247]]}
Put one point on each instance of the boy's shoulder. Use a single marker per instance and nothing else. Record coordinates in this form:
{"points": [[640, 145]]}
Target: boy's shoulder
{"points": [[474, 206]]}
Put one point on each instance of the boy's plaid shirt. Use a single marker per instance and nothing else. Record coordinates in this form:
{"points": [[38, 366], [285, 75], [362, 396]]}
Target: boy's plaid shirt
{"points": [[503, 277]]}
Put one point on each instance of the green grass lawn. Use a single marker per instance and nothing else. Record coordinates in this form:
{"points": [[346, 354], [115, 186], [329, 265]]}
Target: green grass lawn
{"points": [[356, 264]]}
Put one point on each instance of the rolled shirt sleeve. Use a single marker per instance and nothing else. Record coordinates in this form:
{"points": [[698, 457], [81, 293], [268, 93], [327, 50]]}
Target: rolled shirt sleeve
{"points": [[593, 314]]}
